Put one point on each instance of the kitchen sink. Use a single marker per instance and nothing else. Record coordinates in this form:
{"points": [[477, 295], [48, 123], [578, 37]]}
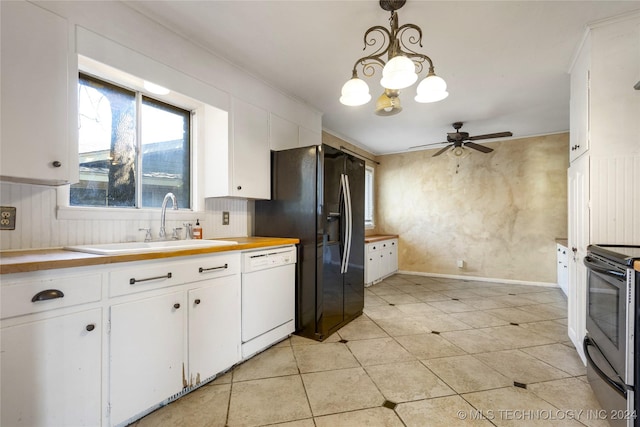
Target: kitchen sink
{"points": [[140, 247]]}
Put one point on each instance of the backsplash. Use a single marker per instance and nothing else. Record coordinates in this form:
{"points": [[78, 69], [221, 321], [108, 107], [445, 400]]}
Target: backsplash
{"points": [[38, 225]]}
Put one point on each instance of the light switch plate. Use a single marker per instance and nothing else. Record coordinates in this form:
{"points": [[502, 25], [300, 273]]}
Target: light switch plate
{"points": [[7, 218], [225, 218]]}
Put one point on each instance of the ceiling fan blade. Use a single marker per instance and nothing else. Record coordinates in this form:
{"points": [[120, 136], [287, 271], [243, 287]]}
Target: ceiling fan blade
{"points": [[490, 135], [442, 151], [478, 147], [427, 145]]}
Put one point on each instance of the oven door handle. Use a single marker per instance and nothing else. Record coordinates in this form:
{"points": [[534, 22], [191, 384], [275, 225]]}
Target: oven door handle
{"points": [[591, 265], [620, 388]]}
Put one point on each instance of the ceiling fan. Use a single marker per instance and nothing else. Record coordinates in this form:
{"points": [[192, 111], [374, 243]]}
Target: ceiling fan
{"points": [[458, 140]]}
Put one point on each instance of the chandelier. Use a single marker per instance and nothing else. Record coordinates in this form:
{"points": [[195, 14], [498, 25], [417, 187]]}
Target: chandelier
{"points": [[399, 71]]}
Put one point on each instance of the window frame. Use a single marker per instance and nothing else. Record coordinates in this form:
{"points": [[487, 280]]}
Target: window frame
{"points": [[369, 197]]}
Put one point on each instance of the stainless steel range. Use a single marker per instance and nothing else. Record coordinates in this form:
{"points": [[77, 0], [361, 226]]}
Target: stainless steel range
{"points": [[610, 346]]}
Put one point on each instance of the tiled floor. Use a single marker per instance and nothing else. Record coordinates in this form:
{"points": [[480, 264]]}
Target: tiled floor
{"points": [[427, 352]]}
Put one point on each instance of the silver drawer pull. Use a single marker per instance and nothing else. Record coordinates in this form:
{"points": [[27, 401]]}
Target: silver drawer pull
{"points": [[47, 295], [133, 280], [222, 267]]}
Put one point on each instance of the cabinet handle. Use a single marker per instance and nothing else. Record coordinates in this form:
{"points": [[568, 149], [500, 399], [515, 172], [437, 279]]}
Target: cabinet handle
{"points": [[56, 164], [133, 280], [176, 306], [90, 327], [197, 301], [47, 295], [203, 270], [239, 187]]}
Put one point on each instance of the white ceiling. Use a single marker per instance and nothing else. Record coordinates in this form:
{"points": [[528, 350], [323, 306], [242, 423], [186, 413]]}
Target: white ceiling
{"points": [[505, 62]]}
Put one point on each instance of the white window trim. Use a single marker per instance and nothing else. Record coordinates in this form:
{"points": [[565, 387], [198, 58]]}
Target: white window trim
{"points": [[372, 224]]}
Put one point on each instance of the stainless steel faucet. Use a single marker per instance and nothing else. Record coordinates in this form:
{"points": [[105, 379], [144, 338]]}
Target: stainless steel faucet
{"points": [[174, 202]]}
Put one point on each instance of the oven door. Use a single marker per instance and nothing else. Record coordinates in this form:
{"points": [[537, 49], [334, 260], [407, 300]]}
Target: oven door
{"points": [[607, 311]]}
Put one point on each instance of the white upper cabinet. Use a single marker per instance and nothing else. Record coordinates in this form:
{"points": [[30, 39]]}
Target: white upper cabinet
{"points": [[240, 165], [37, 142], [284, 134], [580, 102]]}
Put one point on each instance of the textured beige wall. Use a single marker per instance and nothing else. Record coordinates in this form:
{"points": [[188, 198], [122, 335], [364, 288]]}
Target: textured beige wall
{"points": [[499, 212]]}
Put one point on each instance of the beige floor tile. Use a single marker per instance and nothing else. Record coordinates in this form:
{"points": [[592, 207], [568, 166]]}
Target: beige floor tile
{"points": [[409, 381], [409, 325], [340, 391], [479, 319], [493, 291], [466, 373], [555, 296], [427, 295], [513, 406], [324, 357], [451, 306], [521, 367], [419, 309], [361, 330], [382, 289], [399, 299], [206, 406], [440, 412], [517, 336], [374, 417], [273, 362], [429, 346], [572, 396], [379, 351], [548, 328], [299, 423], [546, 311], [484, 303], [374, 300], [383, 312], [444, 322], [515, 315], [560, 356], [408, 287], [298, 340], [475, 340], [514, 300], [268, 401], [461, 293]]}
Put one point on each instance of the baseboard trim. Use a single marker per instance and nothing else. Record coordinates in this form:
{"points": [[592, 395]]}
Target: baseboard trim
{"points": [[481, 279]]}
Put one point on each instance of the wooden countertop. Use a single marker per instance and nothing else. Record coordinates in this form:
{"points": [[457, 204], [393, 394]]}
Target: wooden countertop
{"points": [[563, 241], [379, 237], [636, 266], [46, 259]]}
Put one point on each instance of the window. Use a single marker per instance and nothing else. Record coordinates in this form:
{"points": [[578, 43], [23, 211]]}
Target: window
{"points": [[368, 197], [133, 149]]}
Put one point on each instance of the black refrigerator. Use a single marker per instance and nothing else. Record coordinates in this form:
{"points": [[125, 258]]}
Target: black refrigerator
{"points": [[317, 196]]}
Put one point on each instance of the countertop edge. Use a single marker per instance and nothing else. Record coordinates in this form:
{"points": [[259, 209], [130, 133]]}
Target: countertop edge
{"points": [[55, 258], [379, 237], [636, 266]]}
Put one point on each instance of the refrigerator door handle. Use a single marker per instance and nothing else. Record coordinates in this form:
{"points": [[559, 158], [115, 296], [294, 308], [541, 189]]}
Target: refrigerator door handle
{"points": [[349, 222]]}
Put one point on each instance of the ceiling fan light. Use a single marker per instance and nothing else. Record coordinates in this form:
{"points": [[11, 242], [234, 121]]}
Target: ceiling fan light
{"points": [[398, 73], [387, 105], [432, 89], [355, 92], [458, 153]]}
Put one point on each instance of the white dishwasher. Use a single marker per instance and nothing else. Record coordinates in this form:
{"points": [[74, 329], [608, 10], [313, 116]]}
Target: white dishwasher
{"points": [[268, 297]]}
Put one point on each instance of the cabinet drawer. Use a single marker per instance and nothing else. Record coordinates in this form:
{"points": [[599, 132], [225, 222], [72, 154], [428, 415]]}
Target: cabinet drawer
{"points": [[49, 294], [149, 275]]}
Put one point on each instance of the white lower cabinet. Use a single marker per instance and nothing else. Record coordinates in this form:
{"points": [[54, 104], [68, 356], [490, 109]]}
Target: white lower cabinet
{"points": [[147, 353], [381, 260], [214, 328], [51, 371]]}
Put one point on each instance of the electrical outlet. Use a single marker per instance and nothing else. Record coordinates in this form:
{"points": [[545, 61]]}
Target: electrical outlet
{"points": [[225, 218], [7, 218]]}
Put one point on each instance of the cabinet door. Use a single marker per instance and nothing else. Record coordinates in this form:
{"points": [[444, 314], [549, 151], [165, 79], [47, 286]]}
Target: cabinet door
{"points": [[51, 371], [373, 263], [214, 327], [35, 86], [579, 223], [251, 155], [147, 353], [391, 249], [580, 103]]}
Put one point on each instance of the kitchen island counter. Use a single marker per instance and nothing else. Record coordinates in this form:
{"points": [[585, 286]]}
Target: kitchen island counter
{"points": [[20, 261]]}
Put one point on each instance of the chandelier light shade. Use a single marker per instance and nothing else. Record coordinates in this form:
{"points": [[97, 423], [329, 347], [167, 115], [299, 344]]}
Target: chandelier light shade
{"points": [[355, 92], [400, 66]]}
